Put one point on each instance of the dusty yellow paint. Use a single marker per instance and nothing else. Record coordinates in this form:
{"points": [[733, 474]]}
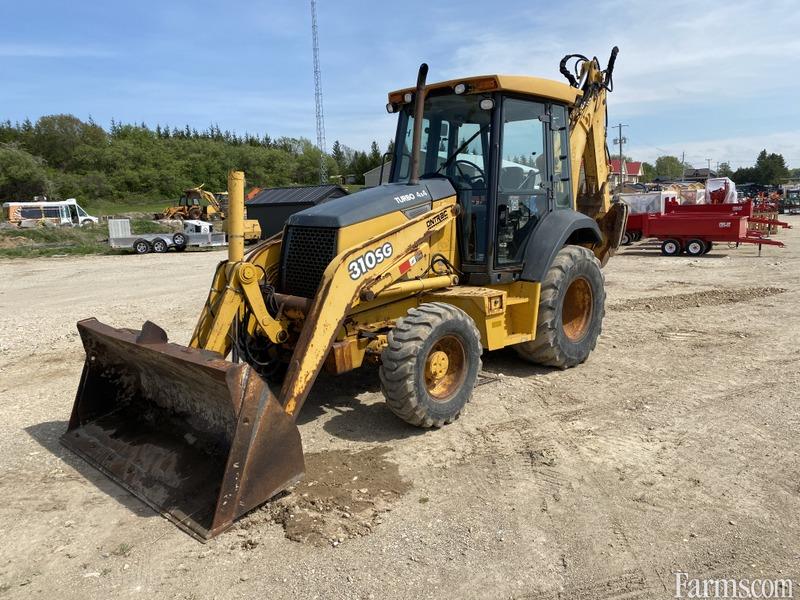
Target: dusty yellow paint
{"points": [[520, 84]]}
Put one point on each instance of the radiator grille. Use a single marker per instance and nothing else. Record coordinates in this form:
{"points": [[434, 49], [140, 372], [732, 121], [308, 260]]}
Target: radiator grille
{"points": [[307, 252]]}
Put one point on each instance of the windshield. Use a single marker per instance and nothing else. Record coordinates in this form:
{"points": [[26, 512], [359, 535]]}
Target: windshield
{"points": [[455, 139], [81, 212]]}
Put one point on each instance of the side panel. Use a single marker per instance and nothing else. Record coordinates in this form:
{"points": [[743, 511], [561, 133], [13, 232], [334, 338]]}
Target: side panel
{"points": [[550, 236]]}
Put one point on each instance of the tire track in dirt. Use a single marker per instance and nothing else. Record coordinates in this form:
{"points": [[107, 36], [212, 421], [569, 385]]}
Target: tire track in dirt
{"points": [[713, 297]]}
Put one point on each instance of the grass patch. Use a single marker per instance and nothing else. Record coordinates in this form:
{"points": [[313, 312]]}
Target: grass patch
{"points": [[122, 550], [73, 241]]}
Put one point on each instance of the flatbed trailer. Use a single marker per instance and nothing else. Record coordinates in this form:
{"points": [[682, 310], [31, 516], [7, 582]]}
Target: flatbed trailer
{"points": [[195, 233], [693, 228]]}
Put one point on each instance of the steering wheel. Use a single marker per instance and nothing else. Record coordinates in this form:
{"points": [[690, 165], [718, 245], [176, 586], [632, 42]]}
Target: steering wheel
{"points": [[470, 178]]}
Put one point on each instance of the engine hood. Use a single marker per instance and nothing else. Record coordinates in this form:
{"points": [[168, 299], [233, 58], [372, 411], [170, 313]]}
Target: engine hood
{"points": [[371, 203]]}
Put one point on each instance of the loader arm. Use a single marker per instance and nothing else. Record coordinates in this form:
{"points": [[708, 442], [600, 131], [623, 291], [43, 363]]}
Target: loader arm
{"points": [[340, 291]]}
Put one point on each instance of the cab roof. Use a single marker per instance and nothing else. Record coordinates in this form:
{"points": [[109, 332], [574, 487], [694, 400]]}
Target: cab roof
{"points": [[520, 84]]}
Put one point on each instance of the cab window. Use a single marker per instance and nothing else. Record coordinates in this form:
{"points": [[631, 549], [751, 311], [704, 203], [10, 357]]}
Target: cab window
{"points": [[522, 183]]}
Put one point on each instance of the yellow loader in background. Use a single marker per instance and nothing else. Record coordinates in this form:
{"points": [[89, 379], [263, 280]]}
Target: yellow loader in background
{"points": [[199, 204], [491, 233]]}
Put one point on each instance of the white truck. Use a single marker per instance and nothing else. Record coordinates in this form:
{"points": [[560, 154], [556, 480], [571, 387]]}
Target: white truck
{"points": [[195, 233]]}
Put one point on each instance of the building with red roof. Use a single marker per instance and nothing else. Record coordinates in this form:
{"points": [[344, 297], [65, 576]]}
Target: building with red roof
{"points": [[627, 172]]}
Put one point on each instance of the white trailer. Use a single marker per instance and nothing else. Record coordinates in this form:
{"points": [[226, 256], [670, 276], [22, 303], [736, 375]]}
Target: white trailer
{"points": [[195, 233]]}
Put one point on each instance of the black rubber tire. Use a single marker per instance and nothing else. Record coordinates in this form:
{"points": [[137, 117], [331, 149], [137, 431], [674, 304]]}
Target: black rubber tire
{"points": [[142, 247], [552, 346], [159, 246], [695, 247], [709, 247], [403, 364], [179, 239], [627, 239], [671, 248]]}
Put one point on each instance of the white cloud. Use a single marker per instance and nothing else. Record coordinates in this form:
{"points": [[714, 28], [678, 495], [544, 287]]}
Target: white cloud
{"points": [[16, 50], [738, 151]]}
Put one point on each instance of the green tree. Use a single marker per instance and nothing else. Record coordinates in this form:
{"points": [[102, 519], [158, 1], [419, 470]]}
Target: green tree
{"points": [[648, 172], [724, 169], [339, 156], [669, 167], [55, 138], [770, 169], [22, 175]]}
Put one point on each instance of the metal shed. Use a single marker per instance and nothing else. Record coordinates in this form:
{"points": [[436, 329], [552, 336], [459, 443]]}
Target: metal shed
{"points": [[272, 206]]}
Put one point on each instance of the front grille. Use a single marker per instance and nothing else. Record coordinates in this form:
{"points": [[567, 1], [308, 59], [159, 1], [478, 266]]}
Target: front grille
{"points": [[307, 252]]}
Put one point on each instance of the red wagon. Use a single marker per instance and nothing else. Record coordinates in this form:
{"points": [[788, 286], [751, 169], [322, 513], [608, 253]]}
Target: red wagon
{"points": [[693, 228]]}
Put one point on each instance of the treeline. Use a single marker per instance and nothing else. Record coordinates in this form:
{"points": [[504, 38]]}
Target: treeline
{"points": [[61, 156], [769, 169]]}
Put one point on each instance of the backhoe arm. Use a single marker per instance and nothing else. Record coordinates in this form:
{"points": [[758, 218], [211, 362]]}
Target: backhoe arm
{"points": [[589, 151]]}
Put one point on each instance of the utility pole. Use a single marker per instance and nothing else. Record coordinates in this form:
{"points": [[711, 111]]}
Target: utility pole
{"points": [[621, 140], [683, 166], [323, 167], [708, 160]]}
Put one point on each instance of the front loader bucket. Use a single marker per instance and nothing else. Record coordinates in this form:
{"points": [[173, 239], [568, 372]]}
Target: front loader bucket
{"points": [[200, 439]]}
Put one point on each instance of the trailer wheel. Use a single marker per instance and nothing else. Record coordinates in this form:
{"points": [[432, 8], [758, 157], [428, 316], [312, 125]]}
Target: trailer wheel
{"points": [[695, 247], [571, 310], [141, 246], [637, 235], [431, 364], [180, 241], [670, 247], [160, 246], [709, 247], [627, 239]]}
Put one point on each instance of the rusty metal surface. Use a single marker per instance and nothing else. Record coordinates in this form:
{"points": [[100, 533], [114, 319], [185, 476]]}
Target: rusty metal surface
{"points": [[197, 438]]}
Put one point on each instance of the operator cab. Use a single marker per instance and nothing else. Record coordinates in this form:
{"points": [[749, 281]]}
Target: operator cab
{"points": [[507, 156]]}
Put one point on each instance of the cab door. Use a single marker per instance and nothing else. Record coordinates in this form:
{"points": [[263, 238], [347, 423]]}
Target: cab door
{"points": [[524, 193]]}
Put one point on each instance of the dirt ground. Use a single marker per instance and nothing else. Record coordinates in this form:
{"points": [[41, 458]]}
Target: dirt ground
{"points": [[674, 448]]}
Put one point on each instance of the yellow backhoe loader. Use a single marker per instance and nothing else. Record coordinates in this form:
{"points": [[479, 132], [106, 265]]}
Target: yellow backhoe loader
{"points": [[196, 203], [491, 233], [200, 204]]}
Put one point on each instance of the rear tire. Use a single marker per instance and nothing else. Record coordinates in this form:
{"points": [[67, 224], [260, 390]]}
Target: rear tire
{"points": [[627, 239], [159, 246], [695, 247], [431, 364], [670, 247], [571, 310]]}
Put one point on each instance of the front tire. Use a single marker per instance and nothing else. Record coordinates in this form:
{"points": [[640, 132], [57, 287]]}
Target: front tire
{"points": [[431, 364], [571, 310], [141, 246]]}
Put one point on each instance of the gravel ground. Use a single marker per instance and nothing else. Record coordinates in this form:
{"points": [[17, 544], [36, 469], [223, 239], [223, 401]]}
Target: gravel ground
{"points": [[674, 448]]}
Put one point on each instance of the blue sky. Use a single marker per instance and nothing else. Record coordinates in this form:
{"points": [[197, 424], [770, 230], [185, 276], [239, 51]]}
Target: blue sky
{"points": [[715, 79]]}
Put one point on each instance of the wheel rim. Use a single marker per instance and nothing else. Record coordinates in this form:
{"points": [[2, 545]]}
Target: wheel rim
{"points": [[141, 248], [576, 311], [670, 247], [694, 248], [445, 368]]}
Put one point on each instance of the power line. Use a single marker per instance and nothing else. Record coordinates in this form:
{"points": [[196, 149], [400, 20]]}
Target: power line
{"points": [[323, 167]]}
